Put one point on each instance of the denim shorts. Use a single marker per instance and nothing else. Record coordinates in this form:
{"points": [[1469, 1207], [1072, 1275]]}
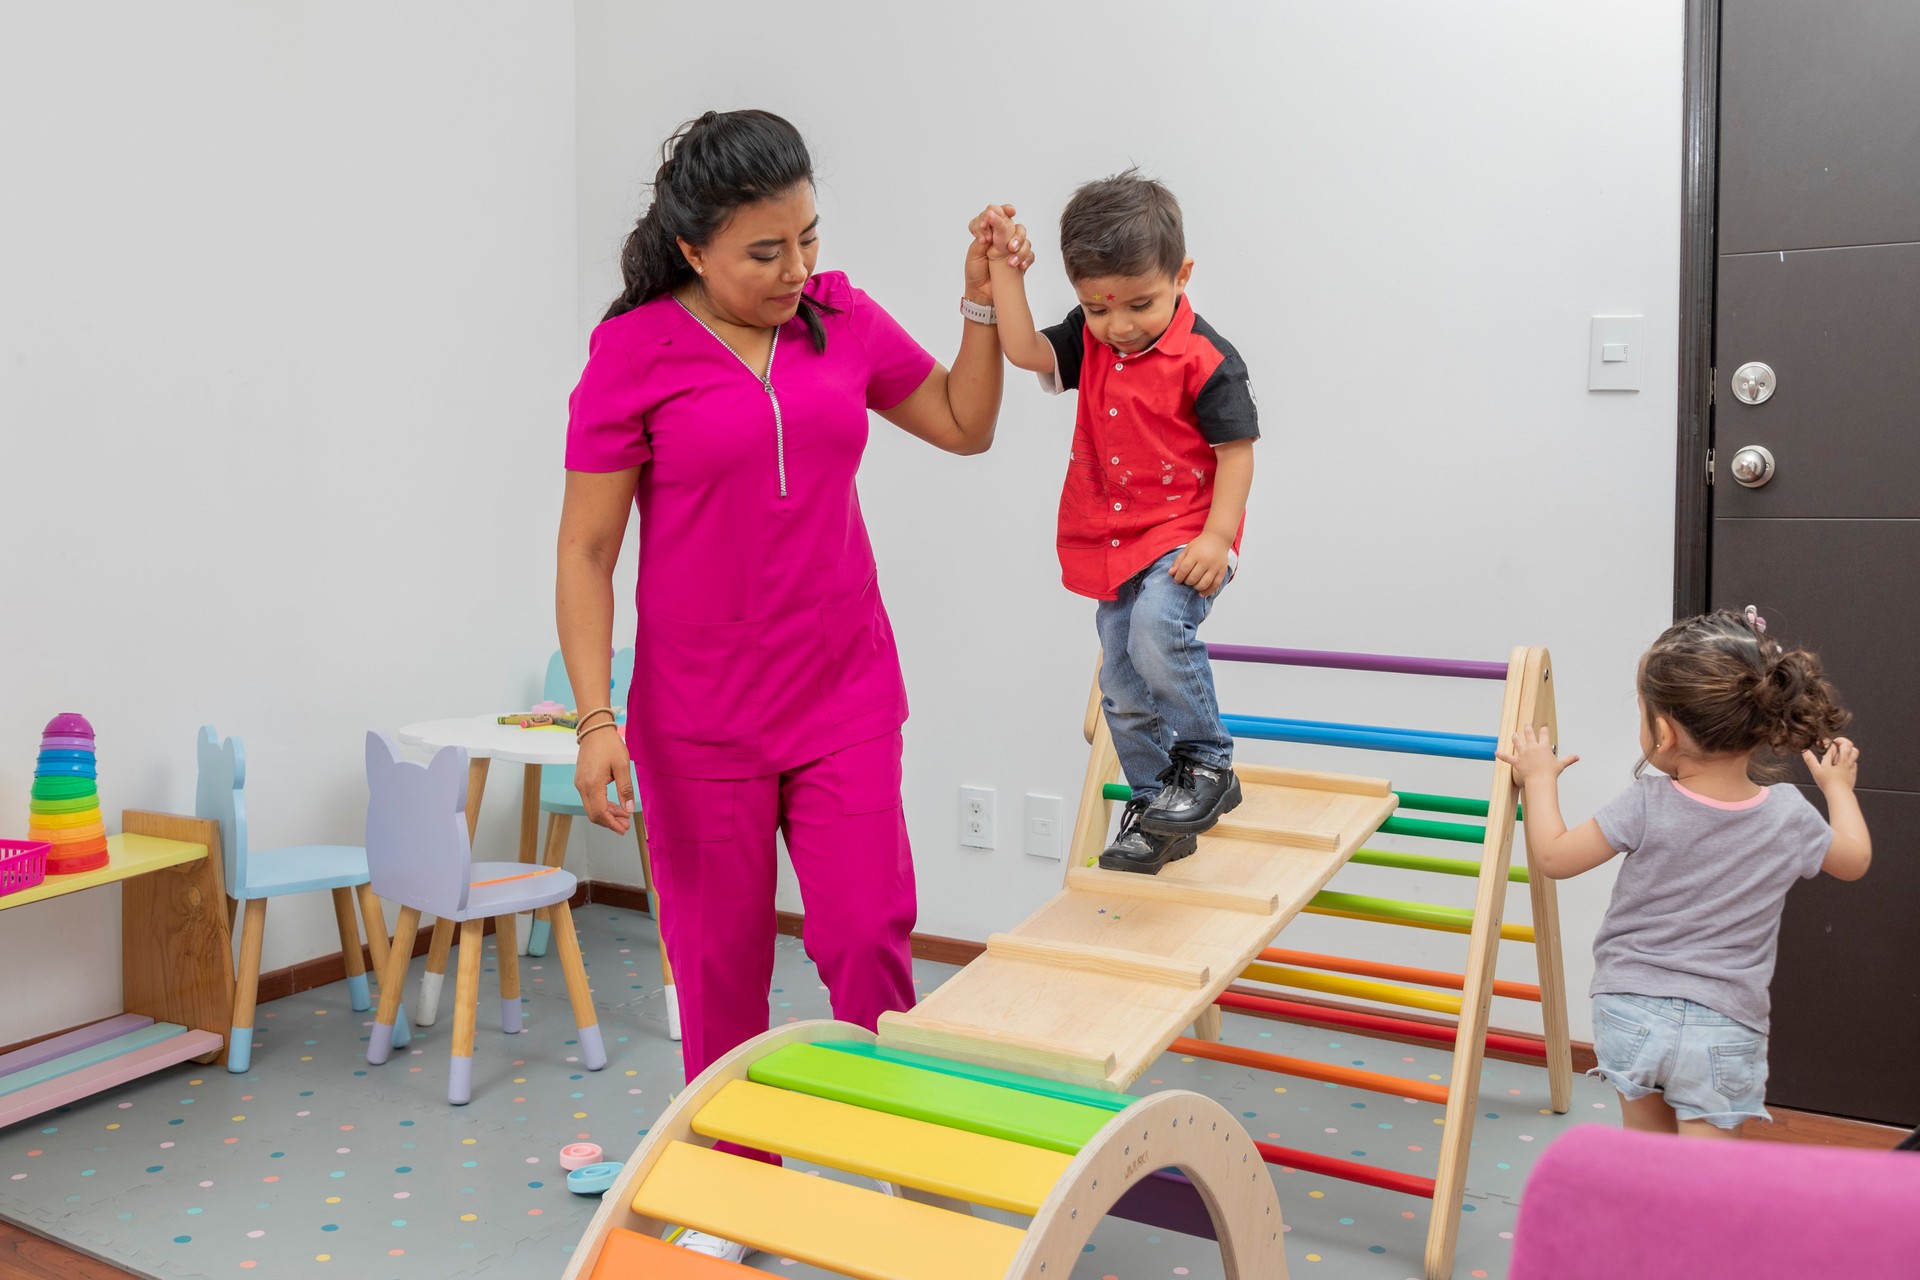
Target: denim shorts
{"points": [[1709, 1066]]}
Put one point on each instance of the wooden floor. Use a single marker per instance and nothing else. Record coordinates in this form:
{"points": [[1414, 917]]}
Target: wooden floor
{"points": [[25, 1256]]}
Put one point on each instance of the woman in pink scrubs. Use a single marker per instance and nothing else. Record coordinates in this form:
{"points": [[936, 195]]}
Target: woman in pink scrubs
{"points": [[725, 397]]}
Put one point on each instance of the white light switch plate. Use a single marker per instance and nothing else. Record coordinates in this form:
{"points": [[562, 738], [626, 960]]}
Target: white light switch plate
{"points": [[1615, 357], [1043, 826]]}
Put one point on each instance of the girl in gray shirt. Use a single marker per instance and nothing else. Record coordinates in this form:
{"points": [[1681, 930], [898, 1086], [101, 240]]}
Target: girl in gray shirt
{"points": [[1684, 956]]}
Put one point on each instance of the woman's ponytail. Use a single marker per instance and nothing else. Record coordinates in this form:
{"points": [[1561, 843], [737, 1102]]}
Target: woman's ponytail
{"points": [[708, 168]]}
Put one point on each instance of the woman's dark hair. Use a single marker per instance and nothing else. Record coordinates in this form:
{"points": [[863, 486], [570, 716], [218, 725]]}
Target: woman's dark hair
{"points": [[1734, 688], [1126, 225], [709, 168]]}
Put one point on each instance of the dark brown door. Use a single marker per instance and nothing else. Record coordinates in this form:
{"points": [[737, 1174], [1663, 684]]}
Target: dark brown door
{"points": [[1819, 279]]}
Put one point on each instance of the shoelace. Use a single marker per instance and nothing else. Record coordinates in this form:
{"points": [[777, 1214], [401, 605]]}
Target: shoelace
{"points": [[1178, 775]]}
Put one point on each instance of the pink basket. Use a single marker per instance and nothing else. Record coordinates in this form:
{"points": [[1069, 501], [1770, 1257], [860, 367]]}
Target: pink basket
{"points": [[23, 864]]}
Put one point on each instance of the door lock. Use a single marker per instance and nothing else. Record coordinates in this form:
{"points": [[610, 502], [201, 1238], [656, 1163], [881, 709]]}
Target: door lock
{"points": [[1753, 466], [1753, 382]]}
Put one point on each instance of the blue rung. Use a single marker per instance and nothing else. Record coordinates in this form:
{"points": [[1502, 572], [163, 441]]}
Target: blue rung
{"points": [[1481, 738], [1409, 741]]}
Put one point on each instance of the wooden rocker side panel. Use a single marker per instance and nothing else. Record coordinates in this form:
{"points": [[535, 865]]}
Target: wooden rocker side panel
{"points": [[1178, 1129]]}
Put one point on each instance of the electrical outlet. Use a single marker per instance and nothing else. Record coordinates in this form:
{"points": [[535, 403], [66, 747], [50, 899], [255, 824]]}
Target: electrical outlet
{"points": [[976, 817], [1043, 826]]}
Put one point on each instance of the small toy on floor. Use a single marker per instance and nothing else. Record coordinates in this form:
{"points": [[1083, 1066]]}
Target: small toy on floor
{"points": [[594, 1179], [64, 812]]}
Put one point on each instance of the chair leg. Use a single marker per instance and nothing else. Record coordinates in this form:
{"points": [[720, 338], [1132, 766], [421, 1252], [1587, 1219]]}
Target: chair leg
{"points": [[653, 904], [466, 1012], [436, 974], [350, 951], [376, 923], [246, 987], [559, 827], [504, 929], [593, 1050], [393, 980]]}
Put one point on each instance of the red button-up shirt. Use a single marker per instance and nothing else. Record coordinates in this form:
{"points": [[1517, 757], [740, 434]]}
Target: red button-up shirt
{"points": [[1140, 482]]}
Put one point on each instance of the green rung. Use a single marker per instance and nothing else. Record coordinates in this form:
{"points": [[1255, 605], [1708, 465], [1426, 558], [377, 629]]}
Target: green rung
{"points": [[935, 1097], [1394, 909], [1427, 802], [1429, 862], [1116, 791], [1462, 831], [1105, 1099]]}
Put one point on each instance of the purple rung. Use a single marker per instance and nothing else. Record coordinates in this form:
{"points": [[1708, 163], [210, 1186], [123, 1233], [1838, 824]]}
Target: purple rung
{"points": [[1359, 661]]}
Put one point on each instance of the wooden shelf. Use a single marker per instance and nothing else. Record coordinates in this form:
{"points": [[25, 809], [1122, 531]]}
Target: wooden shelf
{"points": [[176, 968], [127, 856]]}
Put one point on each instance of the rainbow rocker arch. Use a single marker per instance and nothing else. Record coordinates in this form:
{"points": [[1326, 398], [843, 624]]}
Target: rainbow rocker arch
{"points": [[1005, 1087]]}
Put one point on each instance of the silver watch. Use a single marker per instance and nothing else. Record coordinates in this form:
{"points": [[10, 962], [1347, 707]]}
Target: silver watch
{"points": [[977, 313]]}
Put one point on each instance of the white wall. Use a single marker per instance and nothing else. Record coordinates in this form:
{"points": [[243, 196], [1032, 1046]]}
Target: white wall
{"points": [[286, 336], [299, 290], [1402, 214]]}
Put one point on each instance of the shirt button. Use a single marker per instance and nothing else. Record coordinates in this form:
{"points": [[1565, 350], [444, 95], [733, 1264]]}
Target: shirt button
{"points": [[1116, 462], [1113, 413], [1116, 542], [1116, 506], [1119, 368]]}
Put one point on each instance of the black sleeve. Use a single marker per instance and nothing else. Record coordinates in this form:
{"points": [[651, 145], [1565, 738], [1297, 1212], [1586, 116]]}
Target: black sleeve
{"points": [[1225, 407], [1069, 347]]}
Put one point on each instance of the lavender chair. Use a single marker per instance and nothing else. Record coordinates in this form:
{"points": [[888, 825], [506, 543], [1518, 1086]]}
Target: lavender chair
{"points": [[418, 855]]}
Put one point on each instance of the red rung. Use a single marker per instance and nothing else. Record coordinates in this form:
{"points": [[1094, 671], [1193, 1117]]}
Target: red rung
{"points": [[1352, 1077], [1395, 972], [1359, 1021], [1346, 1170]]}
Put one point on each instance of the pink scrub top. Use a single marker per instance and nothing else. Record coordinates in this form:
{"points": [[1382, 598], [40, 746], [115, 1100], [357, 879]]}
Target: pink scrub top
{"points": [[762, 642]]}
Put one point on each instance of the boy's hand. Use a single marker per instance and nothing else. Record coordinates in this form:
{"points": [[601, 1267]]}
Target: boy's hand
{"points": [[1009, 245], [1532, 756], [1203, 564], [1838, 767]]}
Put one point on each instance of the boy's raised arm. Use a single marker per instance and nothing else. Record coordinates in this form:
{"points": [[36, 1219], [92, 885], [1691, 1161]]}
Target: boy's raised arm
{"points": [[1023, 344]]}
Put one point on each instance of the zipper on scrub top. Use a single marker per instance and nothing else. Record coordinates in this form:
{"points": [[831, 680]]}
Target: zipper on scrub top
{"points": [[766, 384]]}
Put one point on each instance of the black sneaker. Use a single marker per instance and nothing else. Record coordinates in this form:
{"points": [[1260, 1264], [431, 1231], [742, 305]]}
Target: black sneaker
{"points": [[1193, 796], [1136, 850]]}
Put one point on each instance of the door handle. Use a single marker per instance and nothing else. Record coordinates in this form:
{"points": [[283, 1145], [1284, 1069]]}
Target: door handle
{"points": [[1753, 466]]}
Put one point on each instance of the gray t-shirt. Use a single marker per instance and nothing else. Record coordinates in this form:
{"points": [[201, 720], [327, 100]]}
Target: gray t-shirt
{"points": [[1696, 909]]}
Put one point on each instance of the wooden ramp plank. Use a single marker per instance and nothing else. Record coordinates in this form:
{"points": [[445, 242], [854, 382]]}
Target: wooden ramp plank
{"points": [[70, 1041], [956, 1102], [929, 1157], [1137, 943], [827, 1224], [127, 1042], [628, 1255]]}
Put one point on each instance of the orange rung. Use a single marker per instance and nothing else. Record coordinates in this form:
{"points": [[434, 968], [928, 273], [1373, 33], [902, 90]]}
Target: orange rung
{"points": [[1396, 972], [1373, 1081]]}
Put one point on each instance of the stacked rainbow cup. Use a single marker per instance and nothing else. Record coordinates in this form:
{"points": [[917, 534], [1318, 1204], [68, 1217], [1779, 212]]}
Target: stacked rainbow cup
{"points": [[65, 811]]}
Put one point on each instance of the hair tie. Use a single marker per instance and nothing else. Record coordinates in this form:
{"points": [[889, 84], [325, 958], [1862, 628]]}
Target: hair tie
{"points": [[1754, 620]]}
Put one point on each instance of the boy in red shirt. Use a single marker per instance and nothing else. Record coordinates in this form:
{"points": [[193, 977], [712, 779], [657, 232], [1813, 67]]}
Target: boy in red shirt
{"points": [[1155, 497]]}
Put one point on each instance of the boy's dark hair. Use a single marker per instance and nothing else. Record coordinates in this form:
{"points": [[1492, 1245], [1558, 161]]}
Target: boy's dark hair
{"points": [[1735, 688], [1126, 225]]}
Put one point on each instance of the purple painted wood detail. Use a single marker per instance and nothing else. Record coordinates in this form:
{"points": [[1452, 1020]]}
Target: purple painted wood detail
{"points": [[1168, 1201], [1359, 661], [105, 1075], [72, 1041]]}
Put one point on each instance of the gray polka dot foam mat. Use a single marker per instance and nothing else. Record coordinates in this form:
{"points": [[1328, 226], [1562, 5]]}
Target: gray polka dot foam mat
{"points": [[316, 1164]]}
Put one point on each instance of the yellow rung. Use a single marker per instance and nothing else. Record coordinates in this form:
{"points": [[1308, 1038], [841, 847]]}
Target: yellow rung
{"points": [[823, 1223], [1508, 932], [1361, 988], [931, 1157]]}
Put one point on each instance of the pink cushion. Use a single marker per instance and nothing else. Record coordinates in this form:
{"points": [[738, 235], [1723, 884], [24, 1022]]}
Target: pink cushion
{"points": [[1606, 1203]]}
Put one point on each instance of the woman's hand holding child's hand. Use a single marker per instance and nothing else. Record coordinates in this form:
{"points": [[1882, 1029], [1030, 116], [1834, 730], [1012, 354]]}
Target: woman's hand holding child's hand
{"points": [[1203, 564], [996, 237], [1532, 756], [1838, 767]]}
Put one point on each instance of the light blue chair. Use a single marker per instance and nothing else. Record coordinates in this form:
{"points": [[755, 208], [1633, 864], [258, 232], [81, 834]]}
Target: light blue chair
{"points": [[418, 852], [561, 803], [253, 876]]}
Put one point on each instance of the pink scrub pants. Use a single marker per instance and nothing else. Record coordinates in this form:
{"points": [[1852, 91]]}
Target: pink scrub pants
{"points": [[712, 845]]}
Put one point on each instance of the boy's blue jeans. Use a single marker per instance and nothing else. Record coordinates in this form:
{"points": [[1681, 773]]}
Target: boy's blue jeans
{"points": [[1155, 677]]}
